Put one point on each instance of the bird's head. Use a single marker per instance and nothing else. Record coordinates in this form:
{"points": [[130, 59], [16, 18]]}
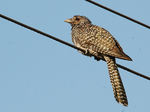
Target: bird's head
{"points": [[78, 20]]}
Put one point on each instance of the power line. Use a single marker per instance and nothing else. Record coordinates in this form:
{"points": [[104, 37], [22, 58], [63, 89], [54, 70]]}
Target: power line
{"points": [[117, 13], [132, 71], [66, 43]]}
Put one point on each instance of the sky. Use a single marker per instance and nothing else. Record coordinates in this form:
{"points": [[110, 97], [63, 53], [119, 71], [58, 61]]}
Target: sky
{"points": [[38, 74]]}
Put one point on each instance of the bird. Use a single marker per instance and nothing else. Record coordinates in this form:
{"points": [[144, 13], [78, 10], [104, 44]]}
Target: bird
{"points": [[97, 42]]}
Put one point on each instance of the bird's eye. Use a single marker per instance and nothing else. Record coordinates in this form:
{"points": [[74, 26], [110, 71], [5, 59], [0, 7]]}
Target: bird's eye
{"points": [[77, 19]]}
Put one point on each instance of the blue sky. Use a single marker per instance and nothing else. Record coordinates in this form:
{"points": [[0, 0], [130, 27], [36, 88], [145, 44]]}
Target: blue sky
{"points": [[38, 74]]}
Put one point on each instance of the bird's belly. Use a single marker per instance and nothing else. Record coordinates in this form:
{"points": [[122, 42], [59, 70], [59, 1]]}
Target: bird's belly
{"points": [[77, 42]]}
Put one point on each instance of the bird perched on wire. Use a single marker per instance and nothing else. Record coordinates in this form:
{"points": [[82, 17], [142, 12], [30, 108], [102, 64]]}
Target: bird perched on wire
{"points": [[98, 42]]}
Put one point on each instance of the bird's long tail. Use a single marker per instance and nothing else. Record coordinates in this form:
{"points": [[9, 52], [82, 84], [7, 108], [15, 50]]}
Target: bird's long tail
{"points": [[117, 85]]}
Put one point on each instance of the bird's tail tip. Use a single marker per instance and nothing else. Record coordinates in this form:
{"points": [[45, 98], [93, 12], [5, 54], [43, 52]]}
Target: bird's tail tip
{"points": [[125, 103]]}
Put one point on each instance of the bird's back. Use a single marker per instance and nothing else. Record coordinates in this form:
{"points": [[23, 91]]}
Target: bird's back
{"points": [[97, 39]]}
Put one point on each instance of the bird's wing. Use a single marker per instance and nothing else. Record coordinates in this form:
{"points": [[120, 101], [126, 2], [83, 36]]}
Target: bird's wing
{"points": [[105, 43]]}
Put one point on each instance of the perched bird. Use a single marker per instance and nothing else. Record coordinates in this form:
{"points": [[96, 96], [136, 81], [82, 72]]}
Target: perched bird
{"points": [[98, 42]]}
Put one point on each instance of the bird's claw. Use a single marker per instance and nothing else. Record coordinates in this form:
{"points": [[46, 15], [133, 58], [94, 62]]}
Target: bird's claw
{"points": [[87, 53]]}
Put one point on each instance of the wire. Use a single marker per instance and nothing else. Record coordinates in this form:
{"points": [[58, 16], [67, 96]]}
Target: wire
{"points": [[66, 43], [117, 13], [132, 71]]}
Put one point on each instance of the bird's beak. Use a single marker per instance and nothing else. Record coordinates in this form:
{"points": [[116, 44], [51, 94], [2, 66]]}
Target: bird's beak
{"points": [[68, 20]]}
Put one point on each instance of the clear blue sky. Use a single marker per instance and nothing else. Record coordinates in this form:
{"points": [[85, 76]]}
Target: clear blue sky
{"points": [[38, 74]]}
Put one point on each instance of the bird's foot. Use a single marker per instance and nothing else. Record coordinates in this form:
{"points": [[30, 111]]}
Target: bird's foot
{"points": [[87, 53], [97, 58]]}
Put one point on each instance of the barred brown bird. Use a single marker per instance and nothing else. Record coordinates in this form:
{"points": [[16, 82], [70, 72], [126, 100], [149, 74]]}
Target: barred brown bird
{"points": [[98, 42]]}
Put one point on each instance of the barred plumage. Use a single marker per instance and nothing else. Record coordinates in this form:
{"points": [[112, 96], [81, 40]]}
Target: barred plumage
{"points": [[117, 85], [99, 43]]}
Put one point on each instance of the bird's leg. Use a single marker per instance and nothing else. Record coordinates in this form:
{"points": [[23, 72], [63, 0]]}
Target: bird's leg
{"points": [[86, 52], [90, 53], [97, 58]]}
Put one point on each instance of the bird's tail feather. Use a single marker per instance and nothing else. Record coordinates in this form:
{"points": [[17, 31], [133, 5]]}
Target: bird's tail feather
{"points": [[117, 85]]}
